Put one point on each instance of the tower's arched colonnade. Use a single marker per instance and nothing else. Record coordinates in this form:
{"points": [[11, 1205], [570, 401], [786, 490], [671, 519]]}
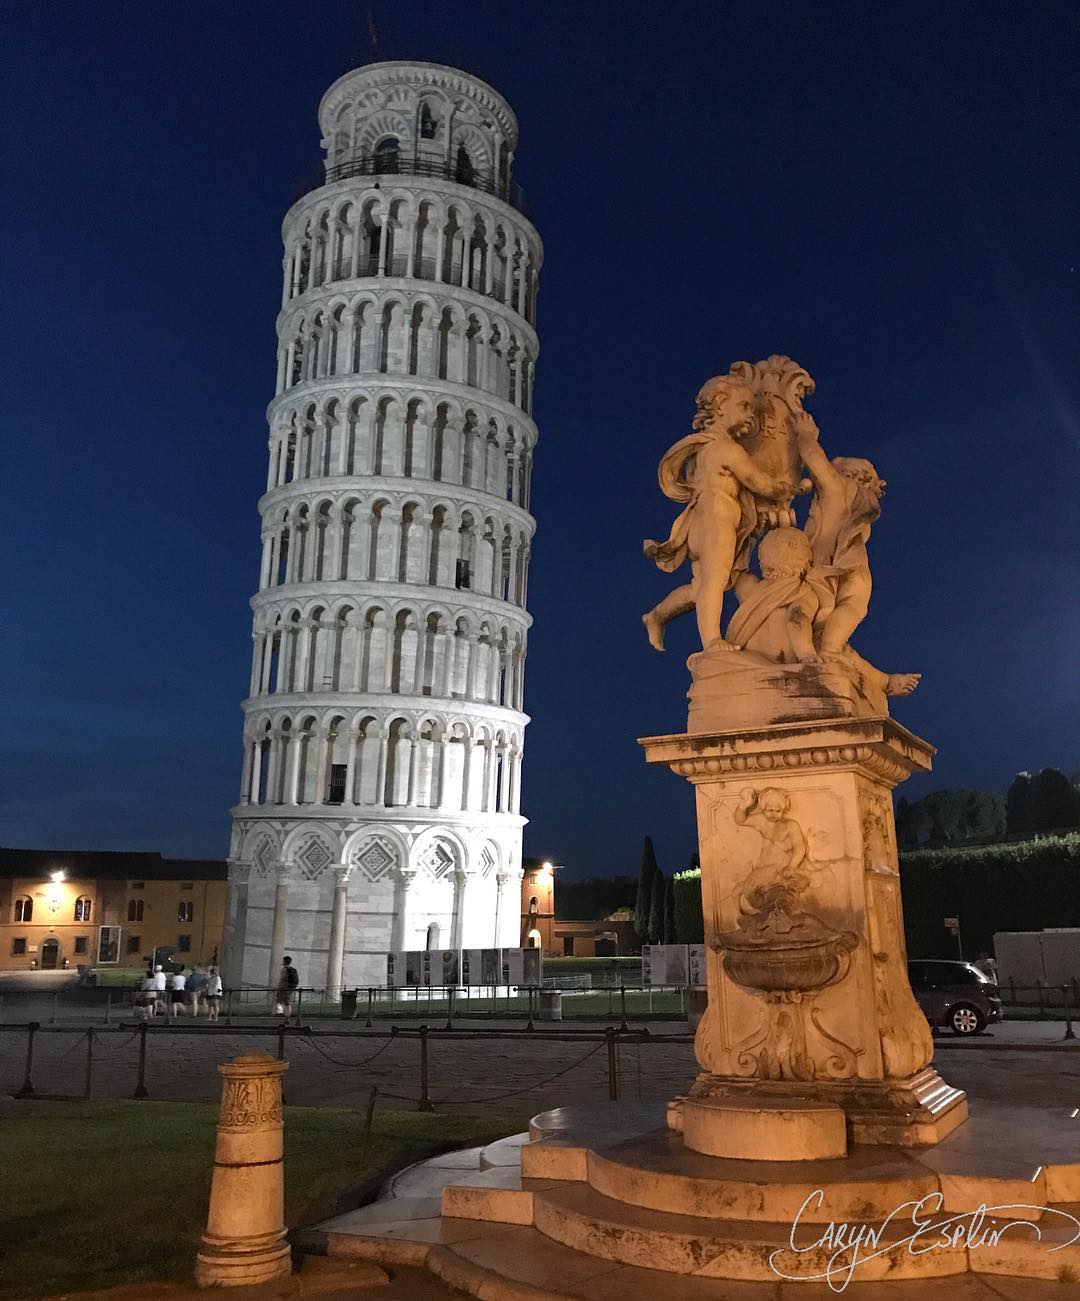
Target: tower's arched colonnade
{"points": [[384, 727]]}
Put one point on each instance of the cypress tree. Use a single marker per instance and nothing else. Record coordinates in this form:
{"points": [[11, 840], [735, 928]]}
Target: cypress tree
{"points": [[1018, 805], [669, 913], [1053, 802], [643, 899], [656, 909]]}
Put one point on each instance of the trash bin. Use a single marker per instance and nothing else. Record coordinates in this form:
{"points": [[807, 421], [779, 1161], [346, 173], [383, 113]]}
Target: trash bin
{"points": [[348, 1004], [550, 1005]]}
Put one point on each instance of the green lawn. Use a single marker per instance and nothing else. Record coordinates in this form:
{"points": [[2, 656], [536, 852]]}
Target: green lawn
{"points": [[97, 1194]]}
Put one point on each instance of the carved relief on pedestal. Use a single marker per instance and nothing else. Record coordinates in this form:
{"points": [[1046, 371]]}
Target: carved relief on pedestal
{"points": [[769, 931], [906, 1043]]}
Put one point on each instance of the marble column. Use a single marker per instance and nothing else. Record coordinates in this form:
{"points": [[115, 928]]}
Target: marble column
{"points": [[234, 932], [277, 933], [336, 954]]}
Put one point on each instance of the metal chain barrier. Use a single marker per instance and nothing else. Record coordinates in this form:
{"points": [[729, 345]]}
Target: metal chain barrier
{"points": [[533, 1084], [312, 1042]]}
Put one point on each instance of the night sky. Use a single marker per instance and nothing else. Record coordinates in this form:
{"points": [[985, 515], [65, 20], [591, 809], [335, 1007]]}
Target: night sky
{"points": [[889, 194]]}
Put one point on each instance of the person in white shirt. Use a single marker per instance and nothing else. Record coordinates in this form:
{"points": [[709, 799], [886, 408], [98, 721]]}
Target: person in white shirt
{"points": [[177, 988], [213, 992], [147, 995], [159, 990]]}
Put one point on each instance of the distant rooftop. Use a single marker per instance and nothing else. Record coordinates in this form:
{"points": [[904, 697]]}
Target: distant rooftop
{"points": [[111, 864]]}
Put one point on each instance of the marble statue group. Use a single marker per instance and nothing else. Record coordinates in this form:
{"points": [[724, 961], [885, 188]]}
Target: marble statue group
{"points": [[739, 472]]}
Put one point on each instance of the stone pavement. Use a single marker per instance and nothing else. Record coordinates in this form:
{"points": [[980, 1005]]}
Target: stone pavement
{"points": [[315, 1276], [520, 1075]]}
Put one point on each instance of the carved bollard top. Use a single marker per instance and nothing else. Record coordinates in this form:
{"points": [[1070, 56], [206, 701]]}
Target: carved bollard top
{"points": [[251, 1097]]}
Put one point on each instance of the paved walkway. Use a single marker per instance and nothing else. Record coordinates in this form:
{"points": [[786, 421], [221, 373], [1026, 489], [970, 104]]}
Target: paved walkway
{"points": [[520, 1075]]}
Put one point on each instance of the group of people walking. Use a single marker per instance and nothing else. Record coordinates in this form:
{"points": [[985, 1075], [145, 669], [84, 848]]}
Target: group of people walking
{"points": [[160, 993]]}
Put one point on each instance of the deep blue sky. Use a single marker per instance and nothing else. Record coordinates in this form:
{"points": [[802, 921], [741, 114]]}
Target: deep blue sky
{"points": [[888, 193]]}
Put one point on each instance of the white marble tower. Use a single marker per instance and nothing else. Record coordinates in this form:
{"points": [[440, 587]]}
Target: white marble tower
{"points": [[383, 732]]}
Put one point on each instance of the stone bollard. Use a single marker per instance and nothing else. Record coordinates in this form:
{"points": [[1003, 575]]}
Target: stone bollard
{"points": [[245, 1242]]}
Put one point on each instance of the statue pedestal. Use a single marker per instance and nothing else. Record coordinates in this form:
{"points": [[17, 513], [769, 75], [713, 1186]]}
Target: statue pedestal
{"points": [[809, 1001]]}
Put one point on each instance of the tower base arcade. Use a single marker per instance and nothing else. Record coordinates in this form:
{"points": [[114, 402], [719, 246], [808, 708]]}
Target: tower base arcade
{"points": [[337, 894]]}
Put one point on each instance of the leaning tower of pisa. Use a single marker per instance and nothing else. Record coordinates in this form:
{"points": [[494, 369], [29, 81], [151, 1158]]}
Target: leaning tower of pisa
{"points": [[383, 731]]}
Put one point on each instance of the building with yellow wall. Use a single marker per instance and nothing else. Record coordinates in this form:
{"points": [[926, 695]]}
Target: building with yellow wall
{"points": [[70, 908]]}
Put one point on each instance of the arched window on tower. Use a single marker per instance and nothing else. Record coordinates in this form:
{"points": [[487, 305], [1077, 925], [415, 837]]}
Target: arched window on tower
{"points": [[428, 125], [464, 171], [386, 155]]}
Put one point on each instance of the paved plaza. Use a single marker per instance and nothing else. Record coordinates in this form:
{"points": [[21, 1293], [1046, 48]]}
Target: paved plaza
{"points": [[1022, 1064]]}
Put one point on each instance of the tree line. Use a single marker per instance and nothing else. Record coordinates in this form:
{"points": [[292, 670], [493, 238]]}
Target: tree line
{"points": [[1035, 802]]}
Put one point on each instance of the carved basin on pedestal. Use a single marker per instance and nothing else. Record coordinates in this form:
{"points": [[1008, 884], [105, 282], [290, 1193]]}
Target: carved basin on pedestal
{"points": [[775, 950]]}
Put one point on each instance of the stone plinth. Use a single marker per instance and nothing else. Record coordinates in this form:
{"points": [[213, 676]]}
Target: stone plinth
{"points": [[807, 976], [245, 1239], [752, 1130]]}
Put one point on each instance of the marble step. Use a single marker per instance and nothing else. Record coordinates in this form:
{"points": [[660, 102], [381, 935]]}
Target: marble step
{"points": [[656, 1171], [579, 1217], [521, 1264]]}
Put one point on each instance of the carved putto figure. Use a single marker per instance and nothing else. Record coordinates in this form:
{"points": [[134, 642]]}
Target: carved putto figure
{"points": [[738, 473], [727, 494]]}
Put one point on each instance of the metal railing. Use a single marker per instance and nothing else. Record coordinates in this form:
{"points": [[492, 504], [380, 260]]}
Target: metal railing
{"points": [[371, 1002], [610, 1038], [400, 164]]}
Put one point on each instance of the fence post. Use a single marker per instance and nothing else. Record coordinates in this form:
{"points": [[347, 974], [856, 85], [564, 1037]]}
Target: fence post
{"points": [[27, 1090], [140, 1087], [1068, 1012], [281, 1041], [450, 1008], [612, 1069], [425, 1102], [228, 1007], [622, 996], [88, 1083], [299, 1005], [368, 1120], [370, 1001]]}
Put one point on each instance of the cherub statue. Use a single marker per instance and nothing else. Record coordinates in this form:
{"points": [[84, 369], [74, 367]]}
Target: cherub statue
{"points": [[783, 846], [847, 501], [728, 497], [776, 611]]}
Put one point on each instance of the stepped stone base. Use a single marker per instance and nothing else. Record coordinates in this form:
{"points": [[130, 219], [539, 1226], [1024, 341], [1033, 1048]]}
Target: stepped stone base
{"points": [[607, 1202]]}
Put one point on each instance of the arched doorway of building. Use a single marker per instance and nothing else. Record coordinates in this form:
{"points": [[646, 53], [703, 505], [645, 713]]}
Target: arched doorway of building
{"points": [[432, 936], [50, 954], [532, 940]]}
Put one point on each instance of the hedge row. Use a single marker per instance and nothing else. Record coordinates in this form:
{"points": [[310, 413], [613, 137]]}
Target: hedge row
{"points": [[1025, 885]]}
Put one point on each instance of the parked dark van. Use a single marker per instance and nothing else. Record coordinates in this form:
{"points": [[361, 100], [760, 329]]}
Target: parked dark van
{"points": [[955, 994]]}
